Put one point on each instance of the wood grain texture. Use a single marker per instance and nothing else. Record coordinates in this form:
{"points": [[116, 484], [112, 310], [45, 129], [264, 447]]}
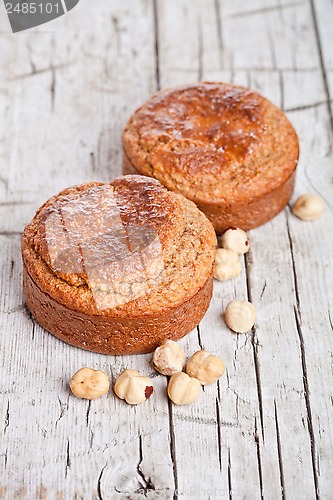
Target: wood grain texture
{"points": [[265, 430]]}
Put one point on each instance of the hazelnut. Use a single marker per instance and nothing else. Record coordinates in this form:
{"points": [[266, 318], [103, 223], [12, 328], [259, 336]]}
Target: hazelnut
{"points": [[236, 239], [308, 207], [169, 358], [87, 383], [205, 367], [240, 316], [133, 387], [182, 389], [227, 264]]}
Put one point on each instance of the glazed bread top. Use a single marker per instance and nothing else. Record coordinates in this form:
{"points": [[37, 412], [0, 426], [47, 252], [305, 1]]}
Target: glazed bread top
{"points": [[129, 247], [213, 142]]}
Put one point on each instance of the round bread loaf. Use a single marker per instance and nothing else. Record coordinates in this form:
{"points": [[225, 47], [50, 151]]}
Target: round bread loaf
{"points": [[226, 148], [118, 268]]}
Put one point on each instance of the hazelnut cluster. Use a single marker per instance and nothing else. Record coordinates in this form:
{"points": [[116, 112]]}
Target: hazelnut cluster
{"points": [[240, 316], [169, 359], [87, 383], [202, 369], [227, 264]]}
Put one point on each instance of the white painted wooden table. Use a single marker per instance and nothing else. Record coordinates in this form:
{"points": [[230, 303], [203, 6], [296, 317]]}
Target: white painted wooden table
{"points": [[265, 431]]}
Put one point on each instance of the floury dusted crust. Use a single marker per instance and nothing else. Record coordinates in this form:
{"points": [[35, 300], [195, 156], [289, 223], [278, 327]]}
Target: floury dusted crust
{"points": [[118, 268], [226, 148]]}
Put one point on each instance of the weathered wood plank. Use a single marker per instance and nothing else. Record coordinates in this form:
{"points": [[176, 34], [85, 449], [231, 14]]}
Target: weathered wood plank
{"points": [[265, 430], [252, 32], [315, 143], [322, 12]]}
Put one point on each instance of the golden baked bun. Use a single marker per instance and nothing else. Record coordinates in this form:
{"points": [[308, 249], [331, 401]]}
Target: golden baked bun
{"points": [[226, 148], [118, 268]]}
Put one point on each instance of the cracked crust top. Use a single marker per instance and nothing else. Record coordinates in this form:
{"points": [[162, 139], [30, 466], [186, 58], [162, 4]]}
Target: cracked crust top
{"points": [[128, 247], [213, 142]]}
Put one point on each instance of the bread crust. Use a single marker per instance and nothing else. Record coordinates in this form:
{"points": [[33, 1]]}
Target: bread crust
{"points": [[225, 147], [79, 286], [111, 335]]}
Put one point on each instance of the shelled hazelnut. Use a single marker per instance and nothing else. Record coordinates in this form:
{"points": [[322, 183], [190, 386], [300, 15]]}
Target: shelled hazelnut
{"points": [[182, 389], [133, 387], [205, 367], [169, 358], [308, 207], [227, 264], [87, 383], [235, 239], [240, 316]]}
